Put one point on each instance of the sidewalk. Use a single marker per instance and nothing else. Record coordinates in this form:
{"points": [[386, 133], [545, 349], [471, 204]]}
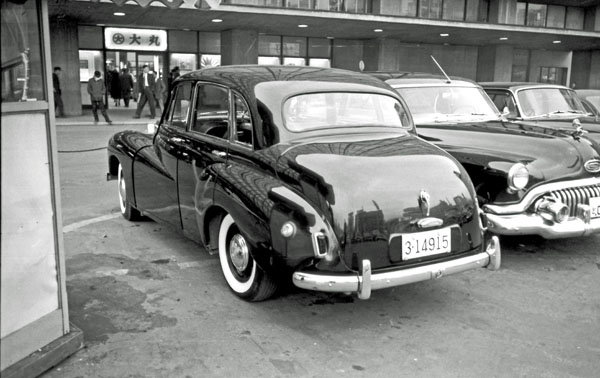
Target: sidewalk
{"points": [[118, 115]]}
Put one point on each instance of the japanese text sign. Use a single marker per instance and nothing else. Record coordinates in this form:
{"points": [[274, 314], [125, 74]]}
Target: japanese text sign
{"points": [[135, 39]]}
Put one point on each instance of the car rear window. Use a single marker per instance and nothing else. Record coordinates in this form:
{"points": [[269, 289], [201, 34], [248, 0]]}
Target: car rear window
{"points": [[342, 109]]}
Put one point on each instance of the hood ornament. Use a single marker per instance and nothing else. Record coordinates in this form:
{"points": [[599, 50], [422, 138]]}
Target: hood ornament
{"points": [[424, 202], [579, 131]]}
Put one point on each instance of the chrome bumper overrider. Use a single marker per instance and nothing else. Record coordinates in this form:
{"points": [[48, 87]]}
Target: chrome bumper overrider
{"points": [[365, 281], [534, 224]]}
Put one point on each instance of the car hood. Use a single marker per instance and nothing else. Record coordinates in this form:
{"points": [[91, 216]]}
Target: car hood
{"points": [[550, 155], [369, 188]]}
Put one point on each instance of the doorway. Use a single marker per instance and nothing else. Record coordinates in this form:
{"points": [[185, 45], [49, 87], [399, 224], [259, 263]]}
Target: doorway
{"points": [[116, 61]]}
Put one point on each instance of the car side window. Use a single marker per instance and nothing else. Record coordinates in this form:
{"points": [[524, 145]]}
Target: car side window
{"points": [[211, 116], [178, 109], [243, 121], [504, 100]]}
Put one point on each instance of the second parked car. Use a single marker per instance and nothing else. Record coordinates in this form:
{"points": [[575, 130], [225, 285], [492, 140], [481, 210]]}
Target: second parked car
{"points": [[530, 178]]}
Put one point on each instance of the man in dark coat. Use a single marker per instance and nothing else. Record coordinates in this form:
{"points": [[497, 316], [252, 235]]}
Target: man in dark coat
{"points": [[58, 102], [126, 86], [97, 90], [146, 85]]}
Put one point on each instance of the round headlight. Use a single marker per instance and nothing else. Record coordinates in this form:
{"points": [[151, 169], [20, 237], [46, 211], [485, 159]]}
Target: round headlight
{"points": [[518, 176]]}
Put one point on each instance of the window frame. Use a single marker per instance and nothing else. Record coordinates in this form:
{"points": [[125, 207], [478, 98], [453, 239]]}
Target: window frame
{"points": [[192, 114], [233, 113]]}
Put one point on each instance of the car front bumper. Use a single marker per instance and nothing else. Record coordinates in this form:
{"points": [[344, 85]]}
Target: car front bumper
{"points": [[534, 224], [365, 281]]}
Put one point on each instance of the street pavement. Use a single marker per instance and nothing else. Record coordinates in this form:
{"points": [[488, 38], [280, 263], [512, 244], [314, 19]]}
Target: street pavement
{"points": [[154, 304]]}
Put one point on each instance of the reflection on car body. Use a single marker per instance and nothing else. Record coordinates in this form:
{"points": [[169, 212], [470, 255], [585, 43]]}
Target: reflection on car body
{"points": [[280, 172], [530, 177]]}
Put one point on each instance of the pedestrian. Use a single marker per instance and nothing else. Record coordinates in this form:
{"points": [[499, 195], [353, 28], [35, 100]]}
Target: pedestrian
{"points": [[126, 86], [174, 74], [59, 108], [159, 92], [97, 90], [115, 87], [146, 86]]}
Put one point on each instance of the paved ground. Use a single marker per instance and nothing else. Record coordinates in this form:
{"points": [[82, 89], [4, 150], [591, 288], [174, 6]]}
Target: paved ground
{"points": [[153, 304]]}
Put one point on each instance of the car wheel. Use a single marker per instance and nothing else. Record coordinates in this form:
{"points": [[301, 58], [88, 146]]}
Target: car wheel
{"points": [[245, 278], [128, 211]]}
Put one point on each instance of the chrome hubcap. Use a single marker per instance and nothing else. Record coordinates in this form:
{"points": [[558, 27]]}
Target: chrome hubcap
{"points": [[239, 252]]}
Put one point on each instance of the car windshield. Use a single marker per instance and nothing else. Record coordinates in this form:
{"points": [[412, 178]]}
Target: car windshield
{"points": [[448, 104], [546, 102], [342, 109]]}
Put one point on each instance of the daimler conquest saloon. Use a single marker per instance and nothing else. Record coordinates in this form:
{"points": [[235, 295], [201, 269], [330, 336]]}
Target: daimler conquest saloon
{"points": [[305, 174]]}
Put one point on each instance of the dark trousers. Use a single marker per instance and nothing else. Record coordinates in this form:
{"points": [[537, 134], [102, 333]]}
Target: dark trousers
{"points": [[59, 109], [147, 96], [99, 104]]}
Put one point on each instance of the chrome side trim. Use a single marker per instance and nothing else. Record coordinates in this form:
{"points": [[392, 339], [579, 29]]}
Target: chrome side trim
{"points": [[534, 193], [533, 224], [361, 284]]}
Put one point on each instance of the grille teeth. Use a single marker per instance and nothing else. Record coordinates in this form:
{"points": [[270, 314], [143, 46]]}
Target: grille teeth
{"points": [[576, 196]]}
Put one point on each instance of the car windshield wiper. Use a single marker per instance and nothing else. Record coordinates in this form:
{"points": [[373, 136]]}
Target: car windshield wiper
{"points": [[557, 112]]}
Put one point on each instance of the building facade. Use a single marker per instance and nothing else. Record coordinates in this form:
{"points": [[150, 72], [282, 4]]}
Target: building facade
{"points": [[553, 41]]}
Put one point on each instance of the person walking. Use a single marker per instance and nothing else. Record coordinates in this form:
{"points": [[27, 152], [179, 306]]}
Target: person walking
{"points": [[146, 86], [115, 87], [97, 90], [126, 86], [159, 92], [59, 108]]}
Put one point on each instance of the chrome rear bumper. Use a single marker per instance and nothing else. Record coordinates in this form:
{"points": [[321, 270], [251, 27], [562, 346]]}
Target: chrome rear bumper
{"points": [[365, 281]]}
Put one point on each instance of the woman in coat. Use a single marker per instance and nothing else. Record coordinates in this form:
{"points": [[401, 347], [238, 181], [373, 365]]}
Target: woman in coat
{"points": [[126, 86], [115, 87]]}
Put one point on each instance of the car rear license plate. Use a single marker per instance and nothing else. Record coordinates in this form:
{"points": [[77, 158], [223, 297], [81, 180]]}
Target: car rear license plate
{"points": [[595, 207], [426, 243]]}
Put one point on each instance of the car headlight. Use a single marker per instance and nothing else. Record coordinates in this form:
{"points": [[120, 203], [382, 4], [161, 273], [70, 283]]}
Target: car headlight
{"points": [[518, 176]]}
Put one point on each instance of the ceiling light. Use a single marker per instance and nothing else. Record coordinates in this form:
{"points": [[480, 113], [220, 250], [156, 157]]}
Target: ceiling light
{"points": [[216, 20], [100, 25], [378, 30], [329, 37], [119, 14], [444, 34], [503, 38], [302, 26], [556, 41]]}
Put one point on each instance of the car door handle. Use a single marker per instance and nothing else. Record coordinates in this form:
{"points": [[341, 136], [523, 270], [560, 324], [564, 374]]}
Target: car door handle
{"points": [[218, 153]]}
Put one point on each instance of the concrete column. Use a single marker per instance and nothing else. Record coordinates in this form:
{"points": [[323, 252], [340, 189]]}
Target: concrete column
{"points": [[594, 82], [494, 63], [239, 46], [64, 49]]}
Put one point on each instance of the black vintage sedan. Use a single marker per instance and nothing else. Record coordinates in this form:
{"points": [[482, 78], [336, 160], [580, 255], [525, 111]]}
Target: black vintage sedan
{"points": [[530, 178], [547, 105], [305, 173]]}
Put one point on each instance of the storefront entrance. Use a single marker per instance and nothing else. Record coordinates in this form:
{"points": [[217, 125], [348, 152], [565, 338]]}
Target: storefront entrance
{"points": [[117, 61]]}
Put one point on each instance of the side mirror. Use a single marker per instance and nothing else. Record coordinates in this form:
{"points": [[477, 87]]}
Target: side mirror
{"points": [[151, 128]]}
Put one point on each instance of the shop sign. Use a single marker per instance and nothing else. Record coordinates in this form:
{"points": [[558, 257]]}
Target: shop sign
{"points": [[135, 39]]}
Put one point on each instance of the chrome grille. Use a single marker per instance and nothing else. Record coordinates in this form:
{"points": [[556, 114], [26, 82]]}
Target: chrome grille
{"points": [[575, 196]]}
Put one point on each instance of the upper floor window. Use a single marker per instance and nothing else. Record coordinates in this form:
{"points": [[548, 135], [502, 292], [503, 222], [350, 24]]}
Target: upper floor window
{"points": [[550, 16]]}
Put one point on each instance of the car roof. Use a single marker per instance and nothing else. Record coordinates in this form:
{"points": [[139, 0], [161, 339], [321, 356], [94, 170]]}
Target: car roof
{"points": [[245, 78], [419, 78], [514, 85]]}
